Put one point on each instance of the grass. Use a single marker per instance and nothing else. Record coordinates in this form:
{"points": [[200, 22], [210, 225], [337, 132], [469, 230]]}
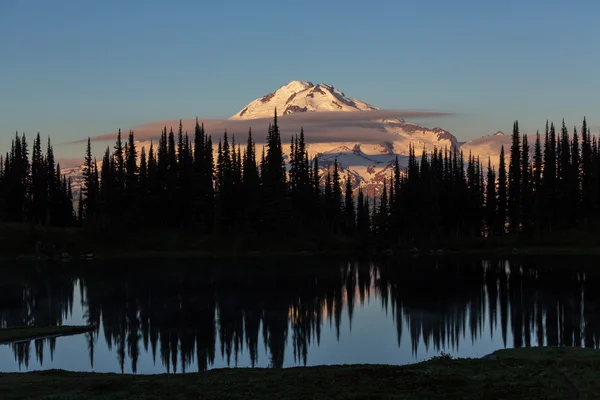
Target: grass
{"points": [[18, 240], [23, 333], [532, 373]]}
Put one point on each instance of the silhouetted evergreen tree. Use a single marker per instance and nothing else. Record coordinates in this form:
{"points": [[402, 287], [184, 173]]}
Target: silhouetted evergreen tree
{"points": [[527, 188], [132, 190], [587, 174], [336, 198], [549, 179], [574, 181], [39, 185], [502, 195], [349, 212], [514, 182], [563, 176], [491, 201], [274, 183]]}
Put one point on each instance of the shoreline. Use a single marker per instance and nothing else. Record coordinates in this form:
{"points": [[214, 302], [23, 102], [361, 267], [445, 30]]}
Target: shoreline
{"points": [[439, 252], [540, 372], [21, 334]]}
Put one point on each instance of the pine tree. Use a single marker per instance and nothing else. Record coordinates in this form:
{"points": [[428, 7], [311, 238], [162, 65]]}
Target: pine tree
{"points": [[527, 190], [575, 180], [336, 196], [38, 183], [143, 184], [106, 198], [51, 185], [564, 175], [119, 155], [382, 214], [514, 182], [361, 215], [131, 183], [274, 182], [587, 186], [153, 187], [250, 187], [80, 209], [349, 211], [90, 187], [502, 195], [549, 179], [490, 201]]}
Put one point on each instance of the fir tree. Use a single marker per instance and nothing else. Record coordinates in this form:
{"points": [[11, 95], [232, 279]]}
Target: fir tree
{"points": [[587, 178], [514, 182], [38, 183], [527, 190], [502, 195], [349, 205], [490, 201]]}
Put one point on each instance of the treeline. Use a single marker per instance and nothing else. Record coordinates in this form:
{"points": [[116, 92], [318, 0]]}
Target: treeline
{"points": [[439, 196], [180, 185], [555, 188], [34, 190]]}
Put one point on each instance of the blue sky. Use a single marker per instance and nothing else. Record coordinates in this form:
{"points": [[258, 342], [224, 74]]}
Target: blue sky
{"points": [[74, 69]]}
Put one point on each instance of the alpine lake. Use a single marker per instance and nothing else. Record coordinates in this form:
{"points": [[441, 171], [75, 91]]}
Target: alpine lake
{"points": [[188, 315]]}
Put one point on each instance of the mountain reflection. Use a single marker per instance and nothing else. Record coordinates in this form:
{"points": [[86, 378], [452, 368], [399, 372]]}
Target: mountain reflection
{"points": [[187, 315]]}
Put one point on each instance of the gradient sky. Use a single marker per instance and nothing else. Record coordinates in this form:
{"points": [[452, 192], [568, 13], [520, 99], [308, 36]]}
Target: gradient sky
{"points": [[73, 68]]}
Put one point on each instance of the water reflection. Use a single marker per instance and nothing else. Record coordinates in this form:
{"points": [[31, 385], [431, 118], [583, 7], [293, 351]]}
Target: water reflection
{"points": [[188, 317]]}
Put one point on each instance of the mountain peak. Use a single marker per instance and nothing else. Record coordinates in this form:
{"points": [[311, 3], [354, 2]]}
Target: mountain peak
{"points": [[499, 133], [301, 96]]}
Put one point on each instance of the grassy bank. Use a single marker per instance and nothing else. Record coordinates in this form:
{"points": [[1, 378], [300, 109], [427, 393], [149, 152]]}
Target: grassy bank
{"points": [[19, 241], [535, 373], [16, 334]]}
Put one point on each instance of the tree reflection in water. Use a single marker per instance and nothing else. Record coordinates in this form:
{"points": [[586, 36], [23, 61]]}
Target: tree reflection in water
{"points": [[186, 315]]}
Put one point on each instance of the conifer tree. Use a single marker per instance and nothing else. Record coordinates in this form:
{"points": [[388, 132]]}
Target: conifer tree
{"points": [[80, 209], [131, 193], [38, 183], [490, 201], [527, 190], [89, 186], [361, 215], [382, 214], [349, 212], [575, 181], [564, 175], [106, 200], [119, 180], [336, 196], [587, 186], [514, 182], [52, 184], [549, 179], [274, 181], [502, 195], [143, 184]]}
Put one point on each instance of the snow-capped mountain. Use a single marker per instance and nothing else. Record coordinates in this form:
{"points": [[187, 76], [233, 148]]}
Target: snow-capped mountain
{"points": [[367, 162], [364, 140], [300, 96]]}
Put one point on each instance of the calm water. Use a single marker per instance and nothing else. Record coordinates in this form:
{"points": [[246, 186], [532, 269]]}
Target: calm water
{"points": [[187, 316]]}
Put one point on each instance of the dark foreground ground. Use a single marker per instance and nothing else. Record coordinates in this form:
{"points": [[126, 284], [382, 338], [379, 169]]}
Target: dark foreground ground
{"points": [[534, 373]]}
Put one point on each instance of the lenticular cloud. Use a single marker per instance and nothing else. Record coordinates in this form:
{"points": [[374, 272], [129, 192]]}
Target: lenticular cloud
{"points": [[363, 126]]}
